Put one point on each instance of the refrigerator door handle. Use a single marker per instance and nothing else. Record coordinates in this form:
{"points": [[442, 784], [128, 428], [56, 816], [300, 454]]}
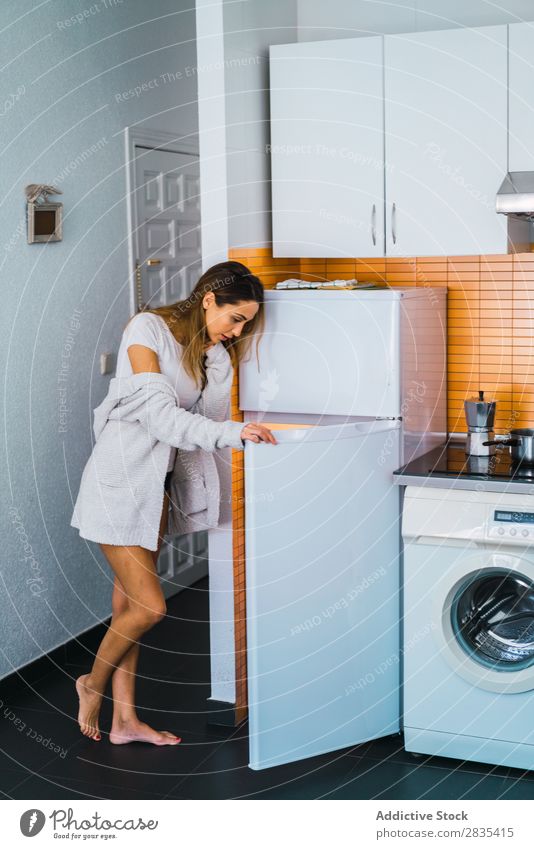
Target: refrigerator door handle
{"points": [[327, 433]]}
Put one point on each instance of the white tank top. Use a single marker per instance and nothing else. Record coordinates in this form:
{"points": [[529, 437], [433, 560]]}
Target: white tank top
{"points": [[151, 331]]}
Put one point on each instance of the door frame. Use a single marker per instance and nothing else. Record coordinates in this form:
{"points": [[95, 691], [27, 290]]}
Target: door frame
{"points": [[155, 140]]}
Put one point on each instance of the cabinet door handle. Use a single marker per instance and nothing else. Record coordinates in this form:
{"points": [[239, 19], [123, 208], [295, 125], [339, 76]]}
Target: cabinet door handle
{"points": [[373, 224], [394, 223]]}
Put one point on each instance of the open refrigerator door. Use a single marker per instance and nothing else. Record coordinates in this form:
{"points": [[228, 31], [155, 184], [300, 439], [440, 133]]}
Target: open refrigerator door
{"points": [[322, 575]]}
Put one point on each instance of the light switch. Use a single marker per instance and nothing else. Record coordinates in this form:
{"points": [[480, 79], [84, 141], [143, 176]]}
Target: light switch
{"points": [[105, 363]]}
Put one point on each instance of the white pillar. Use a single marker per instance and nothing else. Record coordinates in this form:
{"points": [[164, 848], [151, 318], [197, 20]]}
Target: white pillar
{"points": [[212, 131]]}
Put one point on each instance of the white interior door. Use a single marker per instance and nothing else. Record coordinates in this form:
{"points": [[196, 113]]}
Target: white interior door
{"points": [[446, 141], [168, 249], [167, 201], [327, 144], [322, 573]]}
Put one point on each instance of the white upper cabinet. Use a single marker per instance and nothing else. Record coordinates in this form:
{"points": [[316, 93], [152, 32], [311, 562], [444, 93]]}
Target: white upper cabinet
{"points": [[446, 141], [327, 148], [521, 97], [397, 145]]}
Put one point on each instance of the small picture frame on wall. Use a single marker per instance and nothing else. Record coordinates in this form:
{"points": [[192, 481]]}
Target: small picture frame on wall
{"points": [[45, 222]]}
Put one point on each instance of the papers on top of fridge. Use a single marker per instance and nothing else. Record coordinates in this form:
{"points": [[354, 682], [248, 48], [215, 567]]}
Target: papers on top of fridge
{"points": [[295, 283]]}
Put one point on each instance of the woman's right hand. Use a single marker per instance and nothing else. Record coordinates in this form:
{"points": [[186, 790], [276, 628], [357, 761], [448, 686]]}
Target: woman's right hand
{"points": [[257, 433]]}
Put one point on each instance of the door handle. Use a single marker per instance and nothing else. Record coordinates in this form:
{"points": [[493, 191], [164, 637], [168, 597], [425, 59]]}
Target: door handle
{"points": [[373, 224], [394, 223], [138, 286], [443, 540], [153, 262]]}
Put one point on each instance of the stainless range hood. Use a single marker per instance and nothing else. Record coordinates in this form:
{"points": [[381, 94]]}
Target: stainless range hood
{"points": [[516, 195]]}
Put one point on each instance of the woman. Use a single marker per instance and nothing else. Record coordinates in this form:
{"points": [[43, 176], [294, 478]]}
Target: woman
{"points": [[222, 313]]}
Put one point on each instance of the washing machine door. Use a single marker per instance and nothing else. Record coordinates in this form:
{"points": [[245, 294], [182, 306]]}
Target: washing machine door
{"points": [[487, 622]]}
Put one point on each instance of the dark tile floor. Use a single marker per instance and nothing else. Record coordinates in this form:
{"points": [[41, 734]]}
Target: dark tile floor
{"points": [[43, 755]]}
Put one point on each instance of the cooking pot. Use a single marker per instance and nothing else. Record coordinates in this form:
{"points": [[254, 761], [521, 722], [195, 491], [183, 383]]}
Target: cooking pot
{"points": [[521, 443]]}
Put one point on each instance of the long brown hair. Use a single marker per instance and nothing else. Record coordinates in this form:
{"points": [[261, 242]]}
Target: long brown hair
{"points": [[230, 282]]}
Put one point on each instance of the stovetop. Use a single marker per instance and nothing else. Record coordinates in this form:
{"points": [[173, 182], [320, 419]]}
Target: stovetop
{"points": [[451, 461]]}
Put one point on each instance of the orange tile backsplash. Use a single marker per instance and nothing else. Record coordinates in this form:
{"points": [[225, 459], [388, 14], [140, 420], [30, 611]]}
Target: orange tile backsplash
{"points": [[490, 333]]}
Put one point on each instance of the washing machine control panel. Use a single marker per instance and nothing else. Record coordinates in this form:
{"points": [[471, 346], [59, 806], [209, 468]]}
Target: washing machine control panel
{"points": [[512, 526]]}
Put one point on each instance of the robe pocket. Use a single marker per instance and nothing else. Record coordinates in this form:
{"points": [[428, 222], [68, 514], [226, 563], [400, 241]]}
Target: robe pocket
{"points": [[190, 485], [117, 483], [120, 499], [191, 493]]}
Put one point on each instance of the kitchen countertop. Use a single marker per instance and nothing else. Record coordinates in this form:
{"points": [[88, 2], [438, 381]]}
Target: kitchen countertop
{"points": [[448, 467]]}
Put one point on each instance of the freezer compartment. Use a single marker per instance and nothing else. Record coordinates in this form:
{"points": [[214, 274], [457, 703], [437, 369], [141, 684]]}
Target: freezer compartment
{"points": [[331, 355], [374, 354], [322, 573]]}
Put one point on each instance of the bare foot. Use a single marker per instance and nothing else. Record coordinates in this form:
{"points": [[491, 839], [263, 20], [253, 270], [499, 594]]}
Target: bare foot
{"points": [[90, 702], [135, 730]]}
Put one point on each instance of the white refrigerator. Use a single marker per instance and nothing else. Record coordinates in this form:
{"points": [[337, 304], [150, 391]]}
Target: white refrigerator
{"points": [[353, 384]]}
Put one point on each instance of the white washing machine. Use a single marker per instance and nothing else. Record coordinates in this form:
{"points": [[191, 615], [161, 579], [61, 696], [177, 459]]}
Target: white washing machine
{"points": [[469, 625]]}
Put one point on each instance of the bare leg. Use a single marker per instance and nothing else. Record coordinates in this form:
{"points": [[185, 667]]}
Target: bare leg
{"points": [[126, 726], [123, 677], [134, 567]]}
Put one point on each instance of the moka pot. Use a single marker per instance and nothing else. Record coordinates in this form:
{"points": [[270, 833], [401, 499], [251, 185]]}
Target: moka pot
{"points": [[479, 415]]}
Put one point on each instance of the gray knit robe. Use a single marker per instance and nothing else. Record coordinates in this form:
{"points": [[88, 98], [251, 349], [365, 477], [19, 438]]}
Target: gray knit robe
{"points": [[121, 493]]}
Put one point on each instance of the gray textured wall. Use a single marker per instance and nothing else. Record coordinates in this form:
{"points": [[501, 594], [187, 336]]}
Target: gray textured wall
{"points": [[63, 304], [250, 26]]}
